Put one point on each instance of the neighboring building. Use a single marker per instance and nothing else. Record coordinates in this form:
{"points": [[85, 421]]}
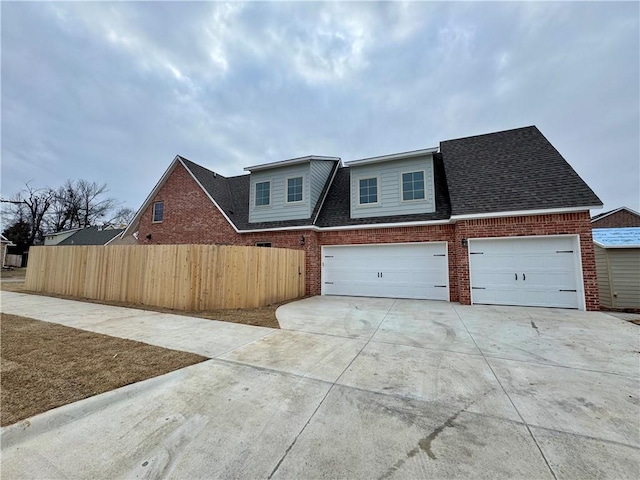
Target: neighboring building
{"points": [[618, 218], [617, 252], [57, 237], [500, 219], [4, 243], [93, 236], [128, 240]]}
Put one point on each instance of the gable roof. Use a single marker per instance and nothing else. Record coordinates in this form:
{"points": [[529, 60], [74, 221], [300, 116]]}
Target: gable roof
{"points": [[600, 216], [508, 173], [61, 232], [511, 171], [92, 236], [231, 196], [235, 205], [627, 237]]}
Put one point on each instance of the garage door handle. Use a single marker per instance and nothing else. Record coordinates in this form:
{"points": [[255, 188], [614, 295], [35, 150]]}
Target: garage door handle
{"points": [[524, 277], [516, 276]]}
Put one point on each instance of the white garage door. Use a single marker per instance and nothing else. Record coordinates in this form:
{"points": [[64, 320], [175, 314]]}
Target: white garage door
{"points": [[409, 270], [540, 271]]}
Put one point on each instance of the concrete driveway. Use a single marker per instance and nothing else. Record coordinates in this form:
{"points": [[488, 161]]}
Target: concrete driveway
{"points": [[351, 388]]}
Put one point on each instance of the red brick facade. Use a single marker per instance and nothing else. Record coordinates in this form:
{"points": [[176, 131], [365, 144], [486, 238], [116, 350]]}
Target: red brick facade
{"points": [[622, 218], [557, 224], [190, 218]]}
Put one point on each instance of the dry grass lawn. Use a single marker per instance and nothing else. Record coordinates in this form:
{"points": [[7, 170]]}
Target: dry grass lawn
{"points": [[44, 365], [15, 273]]}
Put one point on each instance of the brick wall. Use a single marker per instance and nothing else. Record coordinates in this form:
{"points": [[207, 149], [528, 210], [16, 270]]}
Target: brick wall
{"points": [[568, 223], [190, 217], [623, 218]]}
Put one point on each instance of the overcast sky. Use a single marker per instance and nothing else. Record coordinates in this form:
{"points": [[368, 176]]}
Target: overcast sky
{"points": [[111, 92]]}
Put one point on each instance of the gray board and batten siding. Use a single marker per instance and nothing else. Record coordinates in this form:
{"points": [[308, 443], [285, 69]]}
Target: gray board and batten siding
{"points": [[389, 176], [314, 173], [320, 171]]}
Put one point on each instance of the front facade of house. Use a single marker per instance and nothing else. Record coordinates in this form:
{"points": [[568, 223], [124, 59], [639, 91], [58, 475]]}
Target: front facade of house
{"points": [[493, 219]]}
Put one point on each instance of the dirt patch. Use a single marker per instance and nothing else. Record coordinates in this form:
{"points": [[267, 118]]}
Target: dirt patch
{"points": [[259, 317], [15, 273], [44, 365]]}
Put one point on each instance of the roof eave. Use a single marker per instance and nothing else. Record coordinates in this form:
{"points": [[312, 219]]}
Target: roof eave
{"points": [[606, 214], [292, 161], [522, 213], [367, 226], [393, 156]]}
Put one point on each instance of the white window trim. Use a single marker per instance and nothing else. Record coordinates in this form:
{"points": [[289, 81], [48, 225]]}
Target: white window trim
{"points": [[255, 194], [424, 180], [378, 184], [153, 212], [286, 190]]}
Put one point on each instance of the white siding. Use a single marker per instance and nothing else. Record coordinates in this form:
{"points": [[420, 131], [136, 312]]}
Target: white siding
{"points": [[390, 188], [279, 209]]}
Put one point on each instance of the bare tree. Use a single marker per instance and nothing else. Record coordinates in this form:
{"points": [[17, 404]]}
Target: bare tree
{"points": [[122, 217], [63, 214], [78, 204], [31, 205], [92, 208]]}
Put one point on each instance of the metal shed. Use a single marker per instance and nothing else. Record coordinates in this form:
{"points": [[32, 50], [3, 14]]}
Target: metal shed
{"points": [[618, 266]]}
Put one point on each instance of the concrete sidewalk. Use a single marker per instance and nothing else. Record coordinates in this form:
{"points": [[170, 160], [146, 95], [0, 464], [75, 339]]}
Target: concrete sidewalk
{"points": [[351, 388], [208, 338]]}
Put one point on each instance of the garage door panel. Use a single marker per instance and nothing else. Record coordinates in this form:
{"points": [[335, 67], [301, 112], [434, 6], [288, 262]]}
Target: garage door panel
{"points": [[499, 295], [540, 271], [550, 279], [417, 270], [503, 261]]}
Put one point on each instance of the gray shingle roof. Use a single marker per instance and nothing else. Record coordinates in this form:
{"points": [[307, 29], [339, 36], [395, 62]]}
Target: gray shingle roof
{"points": [[232, 195], [91, 236], [509, 171], [336, 211], [513, 170]]}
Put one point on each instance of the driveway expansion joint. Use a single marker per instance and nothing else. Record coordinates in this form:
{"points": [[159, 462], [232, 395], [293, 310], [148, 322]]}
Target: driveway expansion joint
{"points": [[510, 400]]}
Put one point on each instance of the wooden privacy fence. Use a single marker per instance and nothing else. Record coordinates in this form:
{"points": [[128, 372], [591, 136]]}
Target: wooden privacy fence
{"points": [[182, 277]]}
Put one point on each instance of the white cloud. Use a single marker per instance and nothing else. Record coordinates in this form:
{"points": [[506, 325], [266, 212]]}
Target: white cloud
{"points": [[97, 88]]}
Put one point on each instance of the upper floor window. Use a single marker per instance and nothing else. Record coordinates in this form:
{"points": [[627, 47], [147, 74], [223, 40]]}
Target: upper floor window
{"points": [[368, 191], [263, 193], [294, 189], [158, 212], [413, 186]]}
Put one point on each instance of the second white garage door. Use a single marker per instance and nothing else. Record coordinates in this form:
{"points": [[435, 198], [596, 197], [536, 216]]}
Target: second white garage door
{"points": [[532, 271], [408, 270]]}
